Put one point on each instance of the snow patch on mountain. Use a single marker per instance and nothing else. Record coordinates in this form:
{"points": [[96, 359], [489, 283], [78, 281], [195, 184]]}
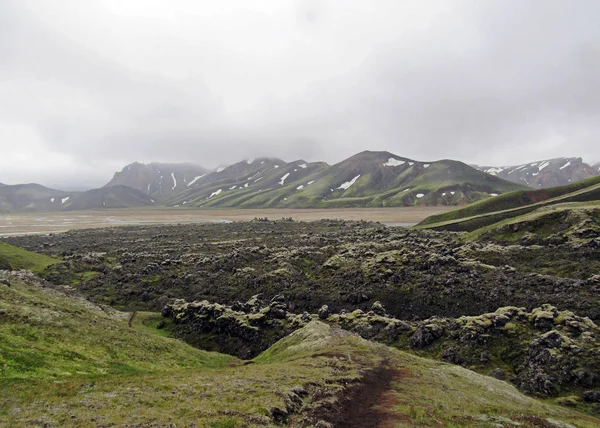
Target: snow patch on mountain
{"points": [[347, 184], [215, 193], [283, 178], [394, 162], [174, 181], [191, 182], [543, 165], [494, 171]]}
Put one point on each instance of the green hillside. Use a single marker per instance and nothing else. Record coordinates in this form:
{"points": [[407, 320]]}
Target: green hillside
{"points": [[512, 204], [67, 362], [14, 258]]}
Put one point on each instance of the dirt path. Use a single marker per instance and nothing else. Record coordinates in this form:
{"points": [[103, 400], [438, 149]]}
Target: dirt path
{"points": [[369, 404]]}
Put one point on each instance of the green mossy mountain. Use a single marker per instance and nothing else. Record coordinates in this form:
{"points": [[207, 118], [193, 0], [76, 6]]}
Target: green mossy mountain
{"points": [[367, 179]]}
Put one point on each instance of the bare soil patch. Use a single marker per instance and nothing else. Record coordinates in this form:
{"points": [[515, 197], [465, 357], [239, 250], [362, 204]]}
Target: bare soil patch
{"points": [[370, 404]]}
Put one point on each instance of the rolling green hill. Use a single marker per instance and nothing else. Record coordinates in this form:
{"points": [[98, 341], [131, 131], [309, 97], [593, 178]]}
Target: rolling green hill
{"points": [[67, 362], [14, 258], [512, 204]]}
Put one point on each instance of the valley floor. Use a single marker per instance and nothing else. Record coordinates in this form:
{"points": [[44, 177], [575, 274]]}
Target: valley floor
{"points": [[31, 223]]}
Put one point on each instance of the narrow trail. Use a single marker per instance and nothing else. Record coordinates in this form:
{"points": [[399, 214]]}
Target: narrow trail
{"points": [[369, 404], [132, 318]]}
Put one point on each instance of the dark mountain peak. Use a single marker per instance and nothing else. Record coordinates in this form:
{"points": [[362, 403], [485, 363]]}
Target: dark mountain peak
{"points": [[158, 179]]}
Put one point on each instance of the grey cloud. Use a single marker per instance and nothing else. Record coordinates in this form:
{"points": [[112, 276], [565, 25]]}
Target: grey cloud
{"points": [[84, 90]]}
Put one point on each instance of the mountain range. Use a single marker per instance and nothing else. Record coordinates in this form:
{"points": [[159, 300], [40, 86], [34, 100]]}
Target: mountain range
{"points": [[37, 198], [546, 173], [367, 179]]}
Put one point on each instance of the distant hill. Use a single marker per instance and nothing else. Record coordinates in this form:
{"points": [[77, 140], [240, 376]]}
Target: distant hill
{"points": [[158, 180], [37, 198], [14, 258], [31, 197], [511, 205], [547, 173], [367, 179], [108, 197]]}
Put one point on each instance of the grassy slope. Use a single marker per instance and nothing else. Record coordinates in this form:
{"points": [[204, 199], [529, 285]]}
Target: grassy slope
{"points": [[65, 362], [542, 221], [12, 257], [512, 204], [46, 334]]}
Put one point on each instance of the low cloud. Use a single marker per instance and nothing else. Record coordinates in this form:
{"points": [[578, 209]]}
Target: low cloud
{"points": [[85, 89]]}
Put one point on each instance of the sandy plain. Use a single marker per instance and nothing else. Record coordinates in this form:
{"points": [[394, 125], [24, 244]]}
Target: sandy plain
{"points": [[27, 223]]}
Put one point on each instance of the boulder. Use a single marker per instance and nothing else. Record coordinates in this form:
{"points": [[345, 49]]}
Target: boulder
{"points": [[324, 312]]}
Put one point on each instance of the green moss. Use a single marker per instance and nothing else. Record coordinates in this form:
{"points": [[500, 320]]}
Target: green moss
{"points": [[14, 258]]}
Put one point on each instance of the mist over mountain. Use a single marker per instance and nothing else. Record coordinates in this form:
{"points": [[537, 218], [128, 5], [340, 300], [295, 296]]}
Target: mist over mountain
{"points": [[157, 179]]}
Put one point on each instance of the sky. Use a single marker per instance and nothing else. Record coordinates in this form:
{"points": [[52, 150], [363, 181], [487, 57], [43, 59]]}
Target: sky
{"points": [[87, 87]]}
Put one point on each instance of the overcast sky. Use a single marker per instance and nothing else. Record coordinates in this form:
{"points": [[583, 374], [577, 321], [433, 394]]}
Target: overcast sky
{"points": [[87, 86]]}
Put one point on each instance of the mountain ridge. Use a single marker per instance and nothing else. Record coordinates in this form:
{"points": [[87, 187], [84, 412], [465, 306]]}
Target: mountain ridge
{"points": [[157, 179], [545, 173], [366, 179], [34, 197]]}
